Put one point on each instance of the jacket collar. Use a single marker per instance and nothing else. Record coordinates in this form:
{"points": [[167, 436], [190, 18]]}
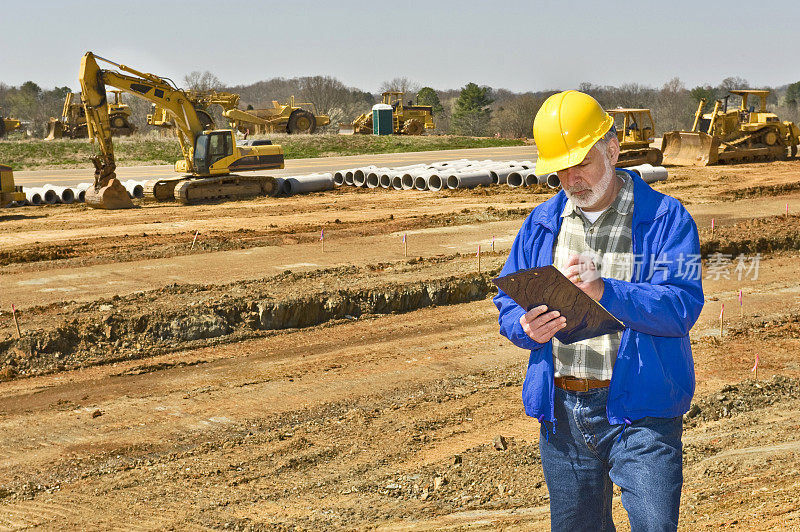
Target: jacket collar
{"points": [[648, 205]]}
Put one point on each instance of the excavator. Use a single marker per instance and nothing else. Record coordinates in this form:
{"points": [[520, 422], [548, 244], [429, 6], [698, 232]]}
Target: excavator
{"points": [[739, 135], [209, 155]]}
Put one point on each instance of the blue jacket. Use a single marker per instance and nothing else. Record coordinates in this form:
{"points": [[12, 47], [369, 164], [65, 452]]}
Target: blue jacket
{"points": [[654, 371]]}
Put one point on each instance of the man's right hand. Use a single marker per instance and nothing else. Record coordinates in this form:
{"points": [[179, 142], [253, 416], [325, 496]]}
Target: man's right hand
{"points": [[541, 325]]}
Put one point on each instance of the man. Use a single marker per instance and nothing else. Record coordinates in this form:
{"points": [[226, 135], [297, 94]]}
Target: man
{"points": [[610, 407]]}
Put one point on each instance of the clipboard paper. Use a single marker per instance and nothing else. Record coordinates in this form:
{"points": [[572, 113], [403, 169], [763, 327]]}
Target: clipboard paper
{"points": [[586, 318]]}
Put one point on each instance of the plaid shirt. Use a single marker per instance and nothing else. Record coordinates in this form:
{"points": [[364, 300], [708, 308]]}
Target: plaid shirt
{"points": [[609, 242]]}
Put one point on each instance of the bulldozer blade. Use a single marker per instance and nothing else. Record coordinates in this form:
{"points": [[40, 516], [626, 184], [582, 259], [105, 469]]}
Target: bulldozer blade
{"points": [[347, 129], [690, 148], [112, 196]]}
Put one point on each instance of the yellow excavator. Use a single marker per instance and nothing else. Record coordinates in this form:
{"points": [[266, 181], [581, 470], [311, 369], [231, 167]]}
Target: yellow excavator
{"points": [[732, 136], [209, 155]]}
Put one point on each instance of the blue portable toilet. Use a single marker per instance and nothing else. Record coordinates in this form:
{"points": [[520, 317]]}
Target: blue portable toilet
{"points": [[382, 119]]}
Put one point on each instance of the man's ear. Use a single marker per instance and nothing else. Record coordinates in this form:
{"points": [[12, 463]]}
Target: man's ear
{"points": [[613, 151]]}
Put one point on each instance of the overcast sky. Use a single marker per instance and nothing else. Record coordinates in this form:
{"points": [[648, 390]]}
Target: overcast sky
{"points": [[517, 45]]}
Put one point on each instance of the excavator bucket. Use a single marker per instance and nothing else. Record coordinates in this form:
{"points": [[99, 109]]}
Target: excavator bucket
{"points": [[690, 148], [111, 196], [55, 130]]}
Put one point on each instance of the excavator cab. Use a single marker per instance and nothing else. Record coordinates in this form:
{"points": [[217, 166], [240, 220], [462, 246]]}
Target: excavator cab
{"points": [[211, 147]]}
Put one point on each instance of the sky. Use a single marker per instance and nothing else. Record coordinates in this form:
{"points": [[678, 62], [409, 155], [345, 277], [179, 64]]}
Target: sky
{"points": [[516, 45]]}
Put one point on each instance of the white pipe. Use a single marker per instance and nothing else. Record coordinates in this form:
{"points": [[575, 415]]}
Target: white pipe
{"points": [[302, 184], [421, 182], [530, 178], [338, 177], [135, 188], [514, 179], [63, 194], [397, 181], [360, 175], [348, 177], [500, 175], [469, 179], [649, 173], [47, 195], [373, 178], [385, 179], [33, 196], [407, 181], [552, 180], [436, 183]]}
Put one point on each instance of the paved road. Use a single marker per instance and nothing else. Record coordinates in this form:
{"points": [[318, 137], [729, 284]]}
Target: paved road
{"points": [[36, 178]]}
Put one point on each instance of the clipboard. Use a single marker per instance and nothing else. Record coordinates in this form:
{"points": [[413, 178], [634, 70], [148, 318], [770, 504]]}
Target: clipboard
{"points": [[586, 318]]}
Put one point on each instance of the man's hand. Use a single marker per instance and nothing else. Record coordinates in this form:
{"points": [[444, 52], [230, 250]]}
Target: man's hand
{"points": [[583, 274], [541, 325]]}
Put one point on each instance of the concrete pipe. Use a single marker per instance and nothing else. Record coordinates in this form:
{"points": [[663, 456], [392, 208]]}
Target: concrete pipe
{"points": [[338, 177], [348, 177], [47, 194], [407, 181], [409, 167], [373, 178], [436, 183], [514, 179], [552, 180], [303, 184], [421, 182], [650, 173], [469, 179], [397, 181], [80, 195], [385, 179], [360, 175], [63, 194], [500, 175], [135, 188], [530, 178], [33, 196]]}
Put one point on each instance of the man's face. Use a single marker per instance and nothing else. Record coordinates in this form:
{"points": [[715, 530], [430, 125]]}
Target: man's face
{"points": [[589, 183]]}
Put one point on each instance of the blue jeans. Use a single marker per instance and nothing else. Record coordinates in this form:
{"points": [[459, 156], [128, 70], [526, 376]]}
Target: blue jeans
{"points": [[586, 454]]}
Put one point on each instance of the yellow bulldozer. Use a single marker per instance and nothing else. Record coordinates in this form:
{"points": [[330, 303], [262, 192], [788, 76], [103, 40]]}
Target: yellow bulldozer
{"points": [[732, 136], [72, 122], [407, 119], [7, 125], [635, 131], [8, 191]]}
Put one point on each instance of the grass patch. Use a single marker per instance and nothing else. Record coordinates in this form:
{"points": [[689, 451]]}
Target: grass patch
{"points": [[35, 154]]}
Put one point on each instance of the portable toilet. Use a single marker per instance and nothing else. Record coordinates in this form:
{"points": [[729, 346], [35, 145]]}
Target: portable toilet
{"points": [[382, 123]]}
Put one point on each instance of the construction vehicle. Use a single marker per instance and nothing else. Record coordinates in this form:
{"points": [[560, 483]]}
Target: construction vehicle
{"points": [[732, 136], [407, 119], [290, 118], [635, 131], [209, 155], [72, 122], [7, 125], [8, 191]]}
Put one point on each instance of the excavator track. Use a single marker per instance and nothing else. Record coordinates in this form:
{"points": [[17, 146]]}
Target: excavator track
{"points": [[163, 189], [229, 187]]}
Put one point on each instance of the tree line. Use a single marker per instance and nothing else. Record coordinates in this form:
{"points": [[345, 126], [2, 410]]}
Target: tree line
{"points": [[475, 110]]}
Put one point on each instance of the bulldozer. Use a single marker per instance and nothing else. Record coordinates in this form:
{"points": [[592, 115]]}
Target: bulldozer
{"points": [[407, 119], [7, 125], [72, 123], [8, 191], [209, 155], [732, 136], [635, 131]]}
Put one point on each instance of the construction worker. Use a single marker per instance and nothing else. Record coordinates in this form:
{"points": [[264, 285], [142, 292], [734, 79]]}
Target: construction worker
{"points": [[610, 407]]}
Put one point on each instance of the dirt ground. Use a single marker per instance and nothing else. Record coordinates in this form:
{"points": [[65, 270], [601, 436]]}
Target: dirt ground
{"points": [[255, 382]]}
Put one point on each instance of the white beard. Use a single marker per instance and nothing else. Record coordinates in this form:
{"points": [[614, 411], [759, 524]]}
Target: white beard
{"points": [[598, 191]]}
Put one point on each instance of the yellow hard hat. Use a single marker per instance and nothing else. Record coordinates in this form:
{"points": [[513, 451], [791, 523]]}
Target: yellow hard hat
{"points": [[566, 127]]}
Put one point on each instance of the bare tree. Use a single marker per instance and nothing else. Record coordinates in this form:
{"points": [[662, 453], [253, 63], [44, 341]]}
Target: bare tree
{"points": [[402, 84], [674, 107], [202, 81], [514, 118]]}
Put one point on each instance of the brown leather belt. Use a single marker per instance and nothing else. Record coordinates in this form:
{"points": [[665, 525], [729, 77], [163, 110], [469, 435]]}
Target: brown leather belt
{"points": [[571, 384]]}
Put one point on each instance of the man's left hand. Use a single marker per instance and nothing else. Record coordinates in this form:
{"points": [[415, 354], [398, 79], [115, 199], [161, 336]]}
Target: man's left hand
{"points": [[584, 275]]}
